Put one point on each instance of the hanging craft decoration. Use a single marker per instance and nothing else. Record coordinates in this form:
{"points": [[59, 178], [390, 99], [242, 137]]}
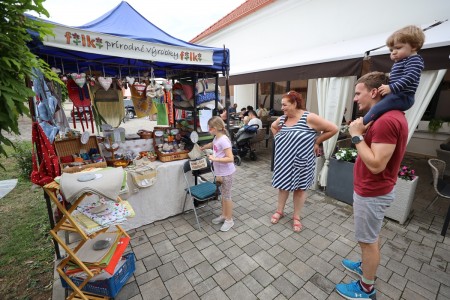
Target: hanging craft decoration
{"points": [[105, 82], [130, 80], [79, 78], [140, 87]]}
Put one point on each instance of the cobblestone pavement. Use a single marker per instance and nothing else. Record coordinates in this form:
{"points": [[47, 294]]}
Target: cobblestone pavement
{"points": [[258, 260]]}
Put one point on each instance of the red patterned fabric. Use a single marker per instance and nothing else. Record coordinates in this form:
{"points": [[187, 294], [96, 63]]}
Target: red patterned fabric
{"points": [[44, 152]]}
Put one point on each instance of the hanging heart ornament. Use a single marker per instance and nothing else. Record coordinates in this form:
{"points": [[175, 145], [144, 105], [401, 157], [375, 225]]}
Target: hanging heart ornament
{"points": [[105, 82], [80, 79], [140, 87], [130, 80]]}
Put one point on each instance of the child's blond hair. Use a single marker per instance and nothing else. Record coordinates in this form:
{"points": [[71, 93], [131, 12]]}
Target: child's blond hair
{"points": [[217, 123], [412, 35]]}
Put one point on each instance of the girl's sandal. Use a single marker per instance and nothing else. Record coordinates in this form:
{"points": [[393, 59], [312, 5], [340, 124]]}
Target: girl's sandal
{"points": [[297, 225], [276, 217]]}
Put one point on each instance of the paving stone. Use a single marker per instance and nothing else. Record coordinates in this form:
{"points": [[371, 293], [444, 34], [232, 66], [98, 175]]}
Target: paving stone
{"points": [[128, 291], [319, 265], [388, 289], [203, 243], [193, 276], [167, 271], [272, 238], [222, 263], [252, 248], [215, 294], [419, 290], [269, 293], [275, 250], [412, 262], [242, 239], [205, 269], [138, 240], [302, 294], [152, 262], [285, 257], [409, 294], [252, 284], [435, 274], [225, 245], [178, 286], [224, 279], [245, 263], [421, 249], [383, 273], [154, 230], [240, 292], [180, 265], [139, 268], [191, 296], [158, 238], [284, 286], [233, 252], [179, 240], [234, 271], [154, 289], [146, 277], [290, 244], [422, 280], [301, 269], [265, 260], [396, 267], [143, 250], [212, 253], [192, 257], [184, 246], [205, 286], [169, 257], [164, 247], [262, 276]]}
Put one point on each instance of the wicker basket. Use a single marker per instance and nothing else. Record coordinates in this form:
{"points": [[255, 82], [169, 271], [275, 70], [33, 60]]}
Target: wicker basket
{"points": [[172, 156], [71, 146]]}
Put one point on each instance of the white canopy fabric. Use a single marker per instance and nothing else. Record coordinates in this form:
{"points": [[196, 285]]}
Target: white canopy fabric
{"points": [[429, 82], [332, 94]]}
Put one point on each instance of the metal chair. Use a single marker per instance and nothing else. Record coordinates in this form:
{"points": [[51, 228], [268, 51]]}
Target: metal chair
{"points": [[441, 187], [203, 190]]}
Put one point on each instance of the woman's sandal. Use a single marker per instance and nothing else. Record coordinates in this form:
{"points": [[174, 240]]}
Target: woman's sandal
{"points": [[297, 225], [276, 217]]}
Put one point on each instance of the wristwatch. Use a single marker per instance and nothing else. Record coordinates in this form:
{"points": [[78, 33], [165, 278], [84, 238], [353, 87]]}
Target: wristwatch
{"points": [[357, 139]]}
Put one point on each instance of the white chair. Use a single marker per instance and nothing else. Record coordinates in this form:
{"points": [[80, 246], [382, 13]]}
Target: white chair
{"points": [[441, 187]]}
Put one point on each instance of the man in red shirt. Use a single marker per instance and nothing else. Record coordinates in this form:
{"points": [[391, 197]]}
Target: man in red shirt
{"points": [[380, 153]]}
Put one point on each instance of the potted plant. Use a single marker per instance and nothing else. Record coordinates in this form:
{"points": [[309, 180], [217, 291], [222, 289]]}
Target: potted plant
{"points": [[340, 175], [405, 189]]}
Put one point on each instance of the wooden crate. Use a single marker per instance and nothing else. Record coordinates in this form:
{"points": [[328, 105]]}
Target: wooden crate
{"points": [[70, 146]]}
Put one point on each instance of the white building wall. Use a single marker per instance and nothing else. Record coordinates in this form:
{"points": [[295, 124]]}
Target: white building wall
{"points": [[279, 34], [245, 95]]}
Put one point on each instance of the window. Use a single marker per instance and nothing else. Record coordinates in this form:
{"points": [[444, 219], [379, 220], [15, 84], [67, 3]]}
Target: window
{"points": [[439, 107]]}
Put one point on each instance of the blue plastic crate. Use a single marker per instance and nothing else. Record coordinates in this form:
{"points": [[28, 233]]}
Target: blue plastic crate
{"points": [[108, 287]]}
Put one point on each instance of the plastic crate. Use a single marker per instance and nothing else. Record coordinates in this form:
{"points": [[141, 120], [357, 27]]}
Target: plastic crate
{"points": [[108, 287]]}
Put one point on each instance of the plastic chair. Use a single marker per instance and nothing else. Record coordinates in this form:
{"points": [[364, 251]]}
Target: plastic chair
{"points": [[203, 191], [441, 187]]}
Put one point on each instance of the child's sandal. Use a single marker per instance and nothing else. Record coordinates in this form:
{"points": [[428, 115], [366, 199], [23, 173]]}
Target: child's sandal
{"points": [[297, 225], [276, 217]]}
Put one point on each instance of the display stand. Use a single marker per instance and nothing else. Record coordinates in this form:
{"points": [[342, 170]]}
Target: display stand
{"points": [[68, 224]]}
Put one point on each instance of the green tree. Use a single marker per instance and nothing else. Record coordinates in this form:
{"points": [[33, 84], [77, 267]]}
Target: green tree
{"points": [[17, 61]]}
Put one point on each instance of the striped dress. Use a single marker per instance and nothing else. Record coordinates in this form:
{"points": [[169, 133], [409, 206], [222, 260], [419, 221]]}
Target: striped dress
{"points": [[294, 156]]}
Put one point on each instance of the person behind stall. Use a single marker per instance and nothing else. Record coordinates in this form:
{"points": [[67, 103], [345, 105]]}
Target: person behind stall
{"points": [[223, 114], [223, 163], [241, 114], [404, 75]]}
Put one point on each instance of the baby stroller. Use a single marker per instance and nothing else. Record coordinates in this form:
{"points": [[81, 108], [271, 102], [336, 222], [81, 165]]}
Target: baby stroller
{"points": [[242, 145]]}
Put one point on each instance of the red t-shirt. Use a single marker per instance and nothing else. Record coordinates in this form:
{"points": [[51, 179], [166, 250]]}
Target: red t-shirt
{"points": [[390, 128]]}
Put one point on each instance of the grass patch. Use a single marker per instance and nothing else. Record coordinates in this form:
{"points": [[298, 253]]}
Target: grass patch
{"points": [[26, 247]]}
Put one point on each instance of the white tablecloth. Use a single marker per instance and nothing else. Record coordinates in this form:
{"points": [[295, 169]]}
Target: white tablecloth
{"points": [[161, 200]]}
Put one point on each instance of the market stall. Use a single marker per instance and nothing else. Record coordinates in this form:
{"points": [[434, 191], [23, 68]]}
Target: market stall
{"points": [[97, 61]]}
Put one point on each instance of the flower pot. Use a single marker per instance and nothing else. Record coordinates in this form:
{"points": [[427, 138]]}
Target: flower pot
{"points": [[340, 180], [400, 209]]}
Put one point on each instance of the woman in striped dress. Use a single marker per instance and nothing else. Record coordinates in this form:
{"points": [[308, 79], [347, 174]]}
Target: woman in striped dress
{"points": [[296, 145]]}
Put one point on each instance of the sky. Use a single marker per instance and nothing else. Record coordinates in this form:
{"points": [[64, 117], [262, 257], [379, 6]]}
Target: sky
{"points": [[182, 19]]}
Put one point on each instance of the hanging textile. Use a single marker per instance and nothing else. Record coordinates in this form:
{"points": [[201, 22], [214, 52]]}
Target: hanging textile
{"points": [[46, 107], [162, 118], [142, 103], [169, 106], [79, 95], [108, 103], [48, 167]]}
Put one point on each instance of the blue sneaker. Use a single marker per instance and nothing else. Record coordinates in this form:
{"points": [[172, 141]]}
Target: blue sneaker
{"points": [[354, 291], [353, 266]]}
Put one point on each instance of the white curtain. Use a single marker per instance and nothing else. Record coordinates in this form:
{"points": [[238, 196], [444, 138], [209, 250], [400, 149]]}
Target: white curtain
{"points": [[429, 82], [333, 95]]}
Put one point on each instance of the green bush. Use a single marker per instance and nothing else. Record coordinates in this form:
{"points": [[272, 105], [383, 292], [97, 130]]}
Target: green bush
{"points": [[23, 159]]}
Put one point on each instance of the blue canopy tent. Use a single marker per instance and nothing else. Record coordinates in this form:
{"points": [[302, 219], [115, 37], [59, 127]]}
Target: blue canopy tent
{"points": [[123, 41]]}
